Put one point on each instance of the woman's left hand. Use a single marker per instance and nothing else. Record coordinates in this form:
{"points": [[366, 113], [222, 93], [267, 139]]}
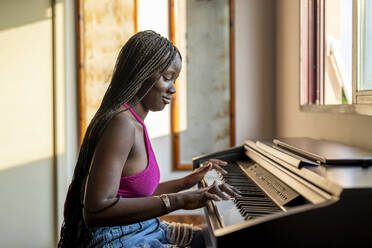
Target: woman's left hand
{"points": [[198, 174]]}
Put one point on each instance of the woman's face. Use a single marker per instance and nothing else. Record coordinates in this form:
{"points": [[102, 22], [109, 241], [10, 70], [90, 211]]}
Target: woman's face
{"points": [[162, 91]]}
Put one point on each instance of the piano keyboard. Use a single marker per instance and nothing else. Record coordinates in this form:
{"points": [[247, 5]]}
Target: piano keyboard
{"points": [[254, 202], [283, 205]]}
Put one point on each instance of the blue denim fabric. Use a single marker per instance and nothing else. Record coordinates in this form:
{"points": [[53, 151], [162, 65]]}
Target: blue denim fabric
{"points": [[149, 233]]}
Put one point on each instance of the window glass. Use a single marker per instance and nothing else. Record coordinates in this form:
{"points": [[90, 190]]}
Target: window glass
{"points": [[338, 52], [365, 81]]}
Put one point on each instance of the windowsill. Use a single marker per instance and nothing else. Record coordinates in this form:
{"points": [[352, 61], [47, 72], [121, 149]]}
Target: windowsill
{"points": [[353, 109]]}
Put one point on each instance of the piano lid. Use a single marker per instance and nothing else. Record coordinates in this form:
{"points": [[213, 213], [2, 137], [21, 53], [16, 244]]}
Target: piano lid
{"points": [[326, 152], [349, 177], [345, 165]]}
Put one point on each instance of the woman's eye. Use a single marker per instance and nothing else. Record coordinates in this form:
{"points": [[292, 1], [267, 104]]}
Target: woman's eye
{"points": [[168, 79]]}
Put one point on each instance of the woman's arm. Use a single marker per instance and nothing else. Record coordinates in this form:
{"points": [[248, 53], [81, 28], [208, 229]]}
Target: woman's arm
{"points": [[102, 184], [172, 186], [190, 180]]}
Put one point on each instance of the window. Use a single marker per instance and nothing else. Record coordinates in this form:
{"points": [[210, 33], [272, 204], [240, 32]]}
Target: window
{"points": [[336, 54], [365, 56], [202, 31]]}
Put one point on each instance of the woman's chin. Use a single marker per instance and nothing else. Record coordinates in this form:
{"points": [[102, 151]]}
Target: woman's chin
{"points": [[158, 108]]}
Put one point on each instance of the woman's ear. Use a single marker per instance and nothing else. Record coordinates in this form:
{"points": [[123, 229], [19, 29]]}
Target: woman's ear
{"points": [[146, 86], [156, 76]]}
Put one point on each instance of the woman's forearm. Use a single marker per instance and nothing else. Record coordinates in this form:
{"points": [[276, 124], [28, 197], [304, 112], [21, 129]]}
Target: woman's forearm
{"points": [[131, 210], [173, 186]]}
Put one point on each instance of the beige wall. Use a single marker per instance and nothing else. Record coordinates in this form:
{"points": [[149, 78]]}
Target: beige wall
{"points": [[38, 129], [255, 36], [291, 122], [26, 127]]}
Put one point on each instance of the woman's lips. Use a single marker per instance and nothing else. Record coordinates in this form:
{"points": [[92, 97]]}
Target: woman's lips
{"points": [[166, 100]]}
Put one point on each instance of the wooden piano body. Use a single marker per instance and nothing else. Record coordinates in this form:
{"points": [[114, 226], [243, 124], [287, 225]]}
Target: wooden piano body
{"points": [[305, 203]]}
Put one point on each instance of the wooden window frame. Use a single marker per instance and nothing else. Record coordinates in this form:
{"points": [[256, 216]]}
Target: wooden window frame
{"points": [[82, 125], [312, 64], [175, 112]]}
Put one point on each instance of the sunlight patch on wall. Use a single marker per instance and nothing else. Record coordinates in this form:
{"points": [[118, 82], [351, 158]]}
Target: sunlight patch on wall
{"points": [[26, 101]]}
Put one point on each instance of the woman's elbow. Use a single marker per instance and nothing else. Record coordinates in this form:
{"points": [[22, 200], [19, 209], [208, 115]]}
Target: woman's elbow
{"points": [[90, 220]]}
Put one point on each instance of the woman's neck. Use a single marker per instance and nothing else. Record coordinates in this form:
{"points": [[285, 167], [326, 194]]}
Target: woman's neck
{"points": [[141, 110]]}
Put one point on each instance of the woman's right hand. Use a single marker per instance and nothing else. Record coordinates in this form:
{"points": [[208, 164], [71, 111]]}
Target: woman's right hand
{"points": [[194, 199]]}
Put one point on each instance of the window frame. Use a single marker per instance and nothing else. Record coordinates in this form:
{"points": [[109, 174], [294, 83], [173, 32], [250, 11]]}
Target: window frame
{"points": [[175, 105], [312, 15]]}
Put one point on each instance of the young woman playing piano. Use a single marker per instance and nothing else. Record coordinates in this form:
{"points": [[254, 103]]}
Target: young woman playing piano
{"points": [[115, 198]]}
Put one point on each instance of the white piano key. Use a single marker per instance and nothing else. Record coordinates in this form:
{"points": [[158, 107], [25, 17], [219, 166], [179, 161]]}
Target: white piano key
{"points": [[227, 209]]}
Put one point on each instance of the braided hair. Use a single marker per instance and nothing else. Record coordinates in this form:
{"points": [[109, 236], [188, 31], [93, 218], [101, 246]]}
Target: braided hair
{"points": [[144, 54]]}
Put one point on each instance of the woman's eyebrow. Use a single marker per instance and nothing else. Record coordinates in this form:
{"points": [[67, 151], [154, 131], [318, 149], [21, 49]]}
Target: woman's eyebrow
{"points": [[172, 73]]}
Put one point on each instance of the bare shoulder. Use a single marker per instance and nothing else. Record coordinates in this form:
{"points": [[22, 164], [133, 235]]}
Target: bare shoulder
{"points": [[121, 128], [123, 119]]}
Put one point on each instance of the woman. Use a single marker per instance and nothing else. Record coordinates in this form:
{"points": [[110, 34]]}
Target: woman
{"points": [[115, 196]]}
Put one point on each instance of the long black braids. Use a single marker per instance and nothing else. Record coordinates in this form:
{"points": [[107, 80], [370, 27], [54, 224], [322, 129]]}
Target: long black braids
{"points": [[144, 54]]}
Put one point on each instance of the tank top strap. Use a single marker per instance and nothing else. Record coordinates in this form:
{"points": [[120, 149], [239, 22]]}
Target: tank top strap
{"points": [[135, 115]]}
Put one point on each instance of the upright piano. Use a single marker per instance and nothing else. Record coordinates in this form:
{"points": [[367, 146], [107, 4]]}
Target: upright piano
{"points": [[296, 192]]}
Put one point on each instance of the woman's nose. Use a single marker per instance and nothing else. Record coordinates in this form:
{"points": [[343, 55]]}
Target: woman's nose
{"points": [[172, 89]]}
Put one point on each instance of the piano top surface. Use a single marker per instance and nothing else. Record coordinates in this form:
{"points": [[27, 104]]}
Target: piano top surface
{"points": [[328, 150], [341, 166], [345, 176]]}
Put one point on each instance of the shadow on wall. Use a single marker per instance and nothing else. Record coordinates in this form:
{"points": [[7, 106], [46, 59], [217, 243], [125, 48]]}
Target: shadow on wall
{"points": [[27, 205], [24, 9]]}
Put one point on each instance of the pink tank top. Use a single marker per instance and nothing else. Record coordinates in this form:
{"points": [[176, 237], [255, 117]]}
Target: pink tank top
{"points": [[145, 182]]}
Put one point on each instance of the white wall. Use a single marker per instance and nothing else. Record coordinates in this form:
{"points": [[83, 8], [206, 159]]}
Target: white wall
{"points": [[255, 36], [291, 122]]}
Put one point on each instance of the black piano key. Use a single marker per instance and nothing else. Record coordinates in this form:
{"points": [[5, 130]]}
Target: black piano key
{"points": [[256, 203], [259, 209], [251, 216], [250, 194], [248, 211], [241, 185], [238, 182], [252, 191], [243, 204], [245, 193], [254, 198], [248, 188]]}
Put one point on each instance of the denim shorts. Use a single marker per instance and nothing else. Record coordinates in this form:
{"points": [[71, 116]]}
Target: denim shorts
{"points": [[150, 233]]}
